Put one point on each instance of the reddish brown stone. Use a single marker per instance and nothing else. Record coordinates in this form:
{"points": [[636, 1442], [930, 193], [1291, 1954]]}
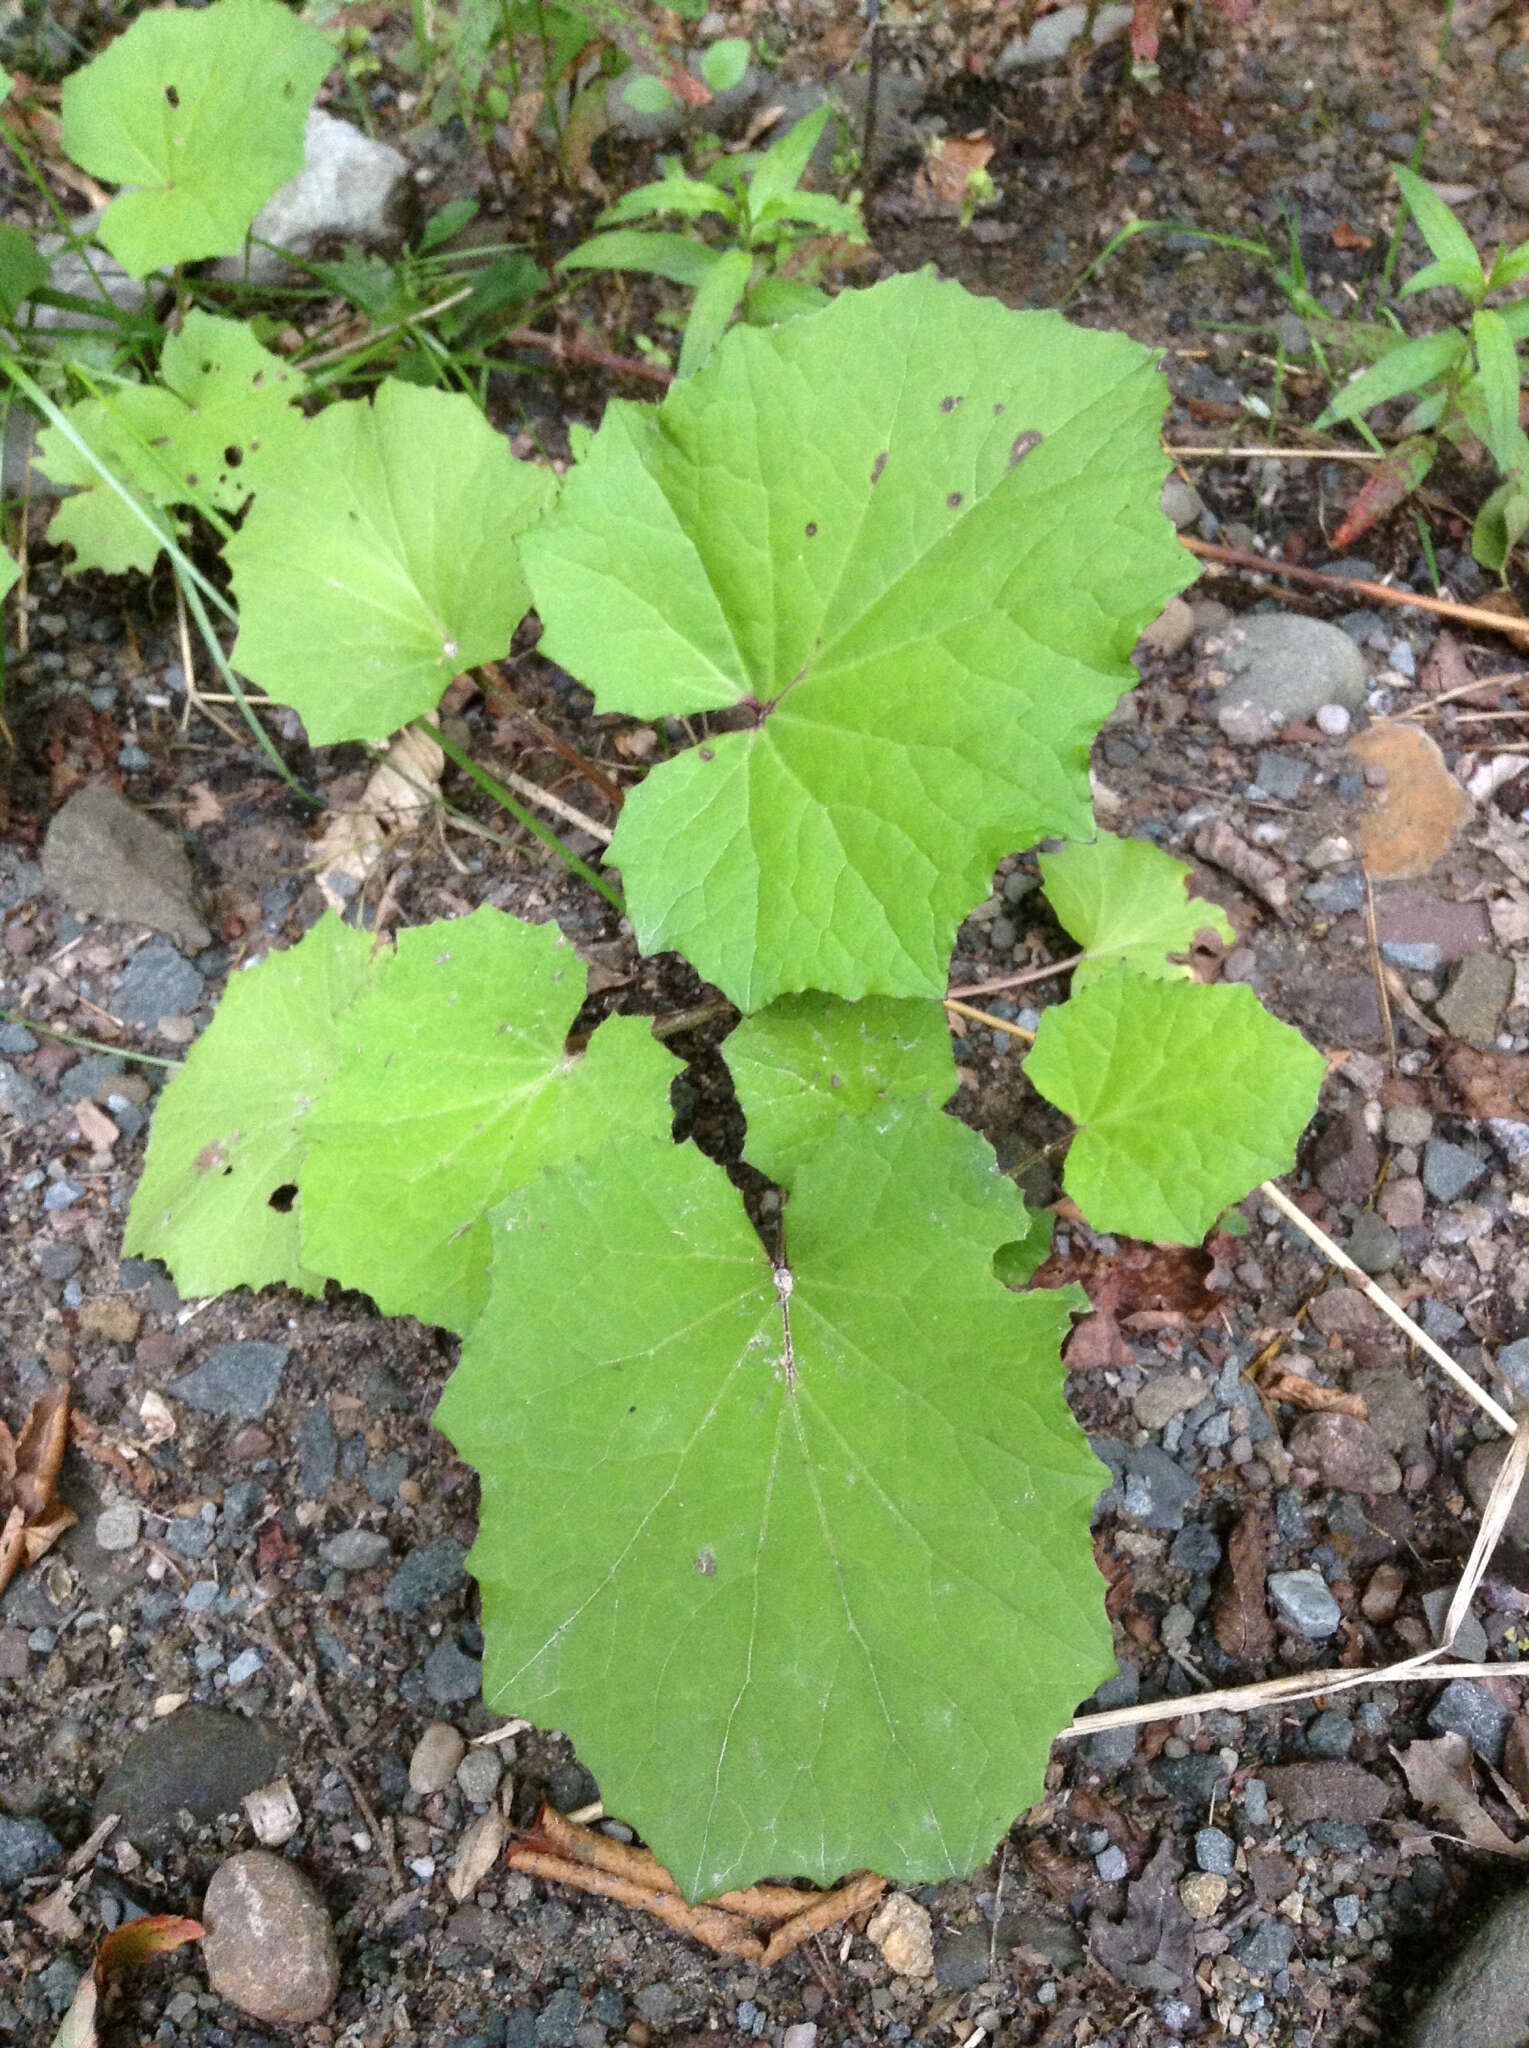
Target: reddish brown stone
{"points": [[1327, 1791]]}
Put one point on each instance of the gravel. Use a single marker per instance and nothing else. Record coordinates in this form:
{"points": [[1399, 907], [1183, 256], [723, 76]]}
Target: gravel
{"points": [[238, 1380], [1448, 1170], [157, 982], [356, 1550], [26, 1847], [1304, 1600], [1215, 1851], [1468, 1709], [427, 1574]]}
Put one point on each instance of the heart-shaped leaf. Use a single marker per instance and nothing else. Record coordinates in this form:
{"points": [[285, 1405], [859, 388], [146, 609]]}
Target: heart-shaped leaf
{"points": [[798, 1556], [1124, 902], [913, 573]]}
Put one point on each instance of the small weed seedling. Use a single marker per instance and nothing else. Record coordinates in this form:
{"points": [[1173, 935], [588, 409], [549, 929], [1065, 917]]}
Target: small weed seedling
{"points": [[831, 1535]]}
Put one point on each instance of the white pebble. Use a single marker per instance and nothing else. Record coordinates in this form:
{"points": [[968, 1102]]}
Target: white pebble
{"points": [[1333, 719], [117, 1527]]}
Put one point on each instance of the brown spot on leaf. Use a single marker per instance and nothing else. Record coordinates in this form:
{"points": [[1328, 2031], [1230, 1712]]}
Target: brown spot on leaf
{"points": [[950, 404], [212, 1158], [953, 500], [878, 466], [812, 528], [706, 1564], [1021, 446]]}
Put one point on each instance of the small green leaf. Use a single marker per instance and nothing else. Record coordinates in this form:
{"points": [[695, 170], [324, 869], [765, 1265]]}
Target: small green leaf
{"points": [[1500, 524], [457, 1087], [1446, 238], [1497, 362], [447, 221], [22, 270], [676, 257], [920, 570], [1510, 266], [218, 1198], [723, 64], [1185, 1098], [107, 534], [718, 298], [202, 112], [831, 1593], [672, 193], [10, 570], [781, 298], [1515, 318], [808, 1060], [1123, 900], [784, 164], [647, 95], [1405, 368], [381, 562], [1464, 277]]}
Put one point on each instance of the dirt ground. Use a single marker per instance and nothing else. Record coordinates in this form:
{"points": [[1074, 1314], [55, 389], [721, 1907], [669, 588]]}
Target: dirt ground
{"points": [[1345, 1896]]}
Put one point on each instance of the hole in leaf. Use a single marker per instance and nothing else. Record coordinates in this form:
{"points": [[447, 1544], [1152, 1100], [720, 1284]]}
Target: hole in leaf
{"points": [[878, 466], [997, 407], [281, 1199], [172, 96], [812, 527], [233, 457]]}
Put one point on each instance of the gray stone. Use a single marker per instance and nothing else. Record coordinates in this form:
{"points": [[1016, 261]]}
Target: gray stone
{"points": [[557, 2022], [1292, 334], [1513, 1364], [87, 1077], [1471, 1638], [1408, 1123], [1417, 956], [1336, 895], [478, 1776], [1373, 1245], [1291, 665], [961, 1960], [1215, 1851], [1482, 2001], [1196, 1549], [1515, 187], [1480, 989], [157, 982], [117, 1527], [21, 1099], [1448, 1170], [1112, 1865], [1468, 1709], [436, 1756], [1395, 1407], [1329, 1736], [1346, 1454], [427, 1573], [451, 1675], [26, 1847], [355, 1550], [1166, 1394], [1281, 776], [1054, 35], [58, 1260], [239, 1380], [1305, 1602], [1180, 502], [105, 859], [384, 1476], [200, 1760], [1267, 1950], [1245, 725], [350, 189], [268, 1947], [1170, 632], [1481, 1470], [15, 1038], [1155, 1490], [316, 1452]]}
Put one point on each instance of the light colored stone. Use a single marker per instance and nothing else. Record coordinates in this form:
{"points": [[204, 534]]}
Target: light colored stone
{"points": [[1290, 666], [1483, 1999], [1203, 1894], [478, 1776], [106, 859], [350, 189], [1181, 503], [1054, 34], [436, 1757], [477, 1853], [117, 1527], [901, 1929], [1164, 1395], [268, 1947], [273, 1813], [1171, 631]]}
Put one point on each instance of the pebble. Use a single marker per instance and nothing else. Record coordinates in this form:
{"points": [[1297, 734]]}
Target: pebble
{"points": [[1396, 1406], [1468, 1709], [436, 1756], [26, 1847], [1408, 1123], [1383, 1594], [1196, 1549], [201, 1759], [478, 1776], [349, 190], [1448, 1170], [803, 2035], [1482, 2000], [901, 1928], [1246, 725], [1215, 1851], [428, 1573], [1280, 776], [1112, 1865], [316, 1452], [1203, 1894], [238, 1380], [355, 1550], [1164, 1395], [103, 857], [1513, 1364], [451, 1675], [1171, 631], [117, 1527], [1329, 1736], [1304, 1600], [157, 982], [1333, 719], [1347, 1454], [1373, 1245], [1470, 1638], [1181, 502], [1291, 666], [268, 1947], [1480, 989]]}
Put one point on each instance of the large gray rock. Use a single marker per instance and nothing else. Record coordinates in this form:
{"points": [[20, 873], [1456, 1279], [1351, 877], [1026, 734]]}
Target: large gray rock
{"points": [[81, 267], [350, 189], [1483, 2001], [103, 857], [1054, 34], [269, 1947], [201, 1760], [1289, 666]]}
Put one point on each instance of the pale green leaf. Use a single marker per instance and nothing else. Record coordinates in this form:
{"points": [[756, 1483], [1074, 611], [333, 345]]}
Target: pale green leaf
{"points": [[809, 1059], [1185, 1098], [724, 63], [676, 257], [108, 535], [1446, 238], [717, 300], [456, 1088], [1408, 367], [22, 270], [379, 561], [645, 94], [1497, 363], [1500, 524], [201, 111], [1465, 277], [828, 1591], [919, 568], [10, 572], [1124, 902], [218, 1198]]}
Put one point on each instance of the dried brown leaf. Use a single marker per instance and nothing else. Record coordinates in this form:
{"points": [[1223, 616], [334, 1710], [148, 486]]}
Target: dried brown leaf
{"points": [[1438, 1775]]}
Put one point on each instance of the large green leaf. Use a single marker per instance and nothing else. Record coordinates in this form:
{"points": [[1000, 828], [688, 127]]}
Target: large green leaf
{"points": [[457, 1087], [10, 572], [379, 561], [220, 419], [827, 1591], [1123, 900], [201, 111], [808, 1060], [218, 1198], [910, 540], [1185, 1098]]}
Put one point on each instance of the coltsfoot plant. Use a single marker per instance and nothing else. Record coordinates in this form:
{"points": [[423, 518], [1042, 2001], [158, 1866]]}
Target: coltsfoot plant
{"points": [[791, 1533]]}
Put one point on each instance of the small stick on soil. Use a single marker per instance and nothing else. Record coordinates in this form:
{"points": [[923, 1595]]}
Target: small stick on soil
{"points": [[832, 1909], [1280, 454], [982, 1017], [719, 1931], [564, 351], [1319, 579], [1042, 973]]}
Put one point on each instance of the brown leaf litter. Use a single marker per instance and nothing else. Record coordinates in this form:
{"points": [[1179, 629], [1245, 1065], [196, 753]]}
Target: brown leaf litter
{"points": [[31, 1517]]}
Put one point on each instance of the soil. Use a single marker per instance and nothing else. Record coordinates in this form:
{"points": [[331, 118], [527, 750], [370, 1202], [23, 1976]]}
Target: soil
{"points": [[1336, 1919]]}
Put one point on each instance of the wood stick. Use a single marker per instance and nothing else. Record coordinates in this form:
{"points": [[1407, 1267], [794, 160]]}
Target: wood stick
{"points": [[719, 1931], [1319, 579], [830, 1909]]}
